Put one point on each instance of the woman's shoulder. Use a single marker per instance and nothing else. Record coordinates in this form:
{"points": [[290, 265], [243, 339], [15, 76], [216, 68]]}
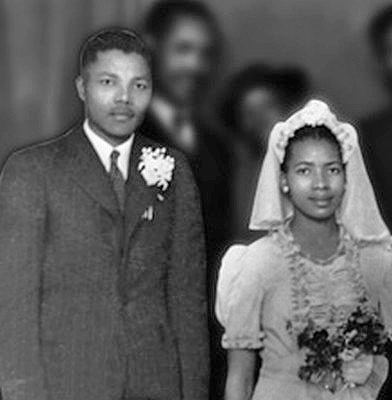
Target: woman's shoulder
{"points": [[266, 245], [245, 273], [380, 252], [376, 260], [256, 257]]}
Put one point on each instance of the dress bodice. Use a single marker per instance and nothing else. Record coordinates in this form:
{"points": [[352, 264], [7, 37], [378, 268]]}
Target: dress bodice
{"points": [[268, 291]]}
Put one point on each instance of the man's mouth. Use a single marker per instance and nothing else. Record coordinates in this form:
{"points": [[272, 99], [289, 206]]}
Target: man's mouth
{"points": [[122, 115]]}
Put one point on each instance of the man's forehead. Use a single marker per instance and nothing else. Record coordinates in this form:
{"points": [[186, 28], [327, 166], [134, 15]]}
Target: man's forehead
{"points": [[117, 58], [187, 26]]}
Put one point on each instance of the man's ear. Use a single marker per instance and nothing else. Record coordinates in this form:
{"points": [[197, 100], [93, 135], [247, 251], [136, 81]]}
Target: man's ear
{"points": [[80, 87]]}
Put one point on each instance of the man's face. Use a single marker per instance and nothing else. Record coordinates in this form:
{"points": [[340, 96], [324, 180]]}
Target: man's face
{"points": [[116, 90], [184, 60], [259, 110]]}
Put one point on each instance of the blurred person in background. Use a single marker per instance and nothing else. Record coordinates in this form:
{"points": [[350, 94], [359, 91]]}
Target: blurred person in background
{"points": [[186, 44], [377, 133], [254, 99], [377, 127]]}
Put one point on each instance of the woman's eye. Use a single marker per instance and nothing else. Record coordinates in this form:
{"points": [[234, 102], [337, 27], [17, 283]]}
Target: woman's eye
{"points": [[335, 170], [303, 171]]}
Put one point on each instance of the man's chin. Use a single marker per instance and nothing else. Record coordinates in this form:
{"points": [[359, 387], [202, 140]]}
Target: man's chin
{"points": [[116, 137]]}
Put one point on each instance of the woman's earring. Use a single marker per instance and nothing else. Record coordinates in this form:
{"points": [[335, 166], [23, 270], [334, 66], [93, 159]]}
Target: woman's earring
{"points": [[285, 189]]}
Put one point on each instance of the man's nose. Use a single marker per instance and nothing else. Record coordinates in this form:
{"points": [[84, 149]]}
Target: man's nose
{"points": [[196, 61], [124, 94]]}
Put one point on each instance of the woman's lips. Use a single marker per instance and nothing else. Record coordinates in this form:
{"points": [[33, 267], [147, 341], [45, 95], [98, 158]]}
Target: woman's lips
{"points": [[321, 201]]}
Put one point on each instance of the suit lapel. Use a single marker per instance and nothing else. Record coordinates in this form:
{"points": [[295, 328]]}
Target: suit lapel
{"points": [[87, 171], [139, 196]]}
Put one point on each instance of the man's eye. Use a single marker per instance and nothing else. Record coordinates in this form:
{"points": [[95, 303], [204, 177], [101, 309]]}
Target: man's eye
{"points": [[141, 86], [106, 81]]}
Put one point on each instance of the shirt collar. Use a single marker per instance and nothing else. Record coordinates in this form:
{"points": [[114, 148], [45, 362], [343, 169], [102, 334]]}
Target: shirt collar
{"points": [[104, 150]]}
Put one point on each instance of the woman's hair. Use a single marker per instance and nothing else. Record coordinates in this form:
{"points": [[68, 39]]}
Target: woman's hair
{"points": [[310, 132]]}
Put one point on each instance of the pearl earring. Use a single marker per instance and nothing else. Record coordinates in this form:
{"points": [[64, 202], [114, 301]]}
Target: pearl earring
{"points": [[285, 189]]}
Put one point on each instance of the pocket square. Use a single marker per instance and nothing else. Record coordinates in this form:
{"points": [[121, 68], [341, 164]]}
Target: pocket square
{"points": [[148, 214]]}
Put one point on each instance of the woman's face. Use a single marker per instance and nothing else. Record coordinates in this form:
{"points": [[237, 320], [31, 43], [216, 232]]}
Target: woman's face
{"points": [[315, 177], [259, 110]]}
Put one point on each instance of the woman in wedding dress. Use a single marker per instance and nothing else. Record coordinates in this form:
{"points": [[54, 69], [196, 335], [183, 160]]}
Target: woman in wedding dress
{"points": [[327, 253]]}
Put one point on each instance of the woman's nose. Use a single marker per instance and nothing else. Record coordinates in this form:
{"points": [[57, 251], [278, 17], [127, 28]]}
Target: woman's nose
{"points": [[320, 180]]}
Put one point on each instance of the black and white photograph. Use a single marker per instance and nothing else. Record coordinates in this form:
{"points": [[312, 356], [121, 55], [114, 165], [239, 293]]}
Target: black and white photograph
{"points": [[196, 200]]}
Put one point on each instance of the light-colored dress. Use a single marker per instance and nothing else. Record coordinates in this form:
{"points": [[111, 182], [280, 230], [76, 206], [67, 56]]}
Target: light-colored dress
{"points": [[268, 291]]}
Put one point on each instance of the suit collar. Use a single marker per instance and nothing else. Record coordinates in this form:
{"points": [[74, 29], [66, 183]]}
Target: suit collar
{"points": [[104, 149], [83, 165], [85, 168]]}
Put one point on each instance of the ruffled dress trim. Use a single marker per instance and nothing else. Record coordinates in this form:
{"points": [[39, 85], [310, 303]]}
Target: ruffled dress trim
{"points": [[325, 291]]}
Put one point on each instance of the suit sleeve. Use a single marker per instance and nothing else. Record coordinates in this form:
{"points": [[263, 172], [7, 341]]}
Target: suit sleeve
{"points": [[187, 286], [21, 240]]}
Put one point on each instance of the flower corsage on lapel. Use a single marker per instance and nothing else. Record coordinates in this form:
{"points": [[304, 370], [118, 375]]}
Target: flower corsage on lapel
{"points": [[156, 167]]}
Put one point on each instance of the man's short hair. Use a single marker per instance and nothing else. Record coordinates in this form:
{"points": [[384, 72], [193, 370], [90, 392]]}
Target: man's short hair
{"points": [[378, 28], [112, 39], [164, 13]]}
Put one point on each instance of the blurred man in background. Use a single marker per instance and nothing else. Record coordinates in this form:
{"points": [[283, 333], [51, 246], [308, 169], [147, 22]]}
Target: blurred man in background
{"points": [[377, 134], [253, 101], [186, 44], [377, 128]]}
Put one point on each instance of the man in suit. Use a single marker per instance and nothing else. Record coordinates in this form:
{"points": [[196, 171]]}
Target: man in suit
{"points": [[376, 135], [102, 266], [186, 44]]}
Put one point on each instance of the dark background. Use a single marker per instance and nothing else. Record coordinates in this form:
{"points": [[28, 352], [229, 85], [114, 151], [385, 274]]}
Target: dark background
{"points": [[40, 39]]}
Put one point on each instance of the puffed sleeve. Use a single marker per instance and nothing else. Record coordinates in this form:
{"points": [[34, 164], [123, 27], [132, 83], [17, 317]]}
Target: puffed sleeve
{"points": [[239, 298]]}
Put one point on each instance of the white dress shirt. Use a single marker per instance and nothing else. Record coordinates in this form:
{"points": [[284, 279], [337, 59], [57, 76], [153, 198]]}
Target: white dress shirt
{"points": [[105, 149]]}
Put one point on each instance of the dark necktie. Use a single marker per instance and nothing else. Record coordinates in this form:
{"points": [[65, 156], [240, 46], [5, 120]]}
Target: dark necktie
{"points": [[118, 181]]}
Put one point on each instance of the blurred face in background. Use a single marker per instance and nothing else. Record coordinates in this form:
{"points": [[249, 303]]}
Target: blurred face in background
{"points": [[386, 58], [184, 60], [259, 110]]}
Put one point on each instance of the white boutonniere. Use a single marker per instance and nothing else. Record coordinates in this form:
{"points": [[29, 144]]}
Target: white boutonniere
{"points": [[157, 168]]}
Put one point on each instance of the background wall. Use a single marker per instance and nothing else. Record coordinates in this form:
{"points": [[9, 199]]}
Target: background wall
{"points": [[39, 41], [328, 38]]}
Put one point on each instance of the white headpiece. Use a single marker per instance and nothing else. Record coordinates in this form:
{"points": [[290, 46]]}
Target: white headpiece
{"points": [[358, 212]]}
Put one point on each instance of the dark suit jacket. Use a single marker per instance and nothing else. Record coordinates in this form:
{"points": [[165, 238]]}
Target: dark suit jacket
{"points": [[376, 143], [212, 166], [92, 307]]}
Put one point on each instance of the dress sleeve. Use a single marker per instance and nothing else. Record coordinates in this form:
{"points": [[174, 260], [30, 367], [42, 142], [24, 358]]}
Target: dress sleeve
{"points": [[239, 299], [386, 292]]}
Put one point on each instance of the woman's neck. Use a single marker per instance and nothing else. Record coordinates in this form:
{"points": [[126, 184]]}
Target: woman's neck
{"points": [[319, 239]]}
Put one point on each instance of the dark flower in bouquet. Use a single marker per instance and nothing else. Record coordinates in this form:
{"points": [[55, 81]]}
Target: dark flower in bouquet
{"points": [[327, 349]]}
